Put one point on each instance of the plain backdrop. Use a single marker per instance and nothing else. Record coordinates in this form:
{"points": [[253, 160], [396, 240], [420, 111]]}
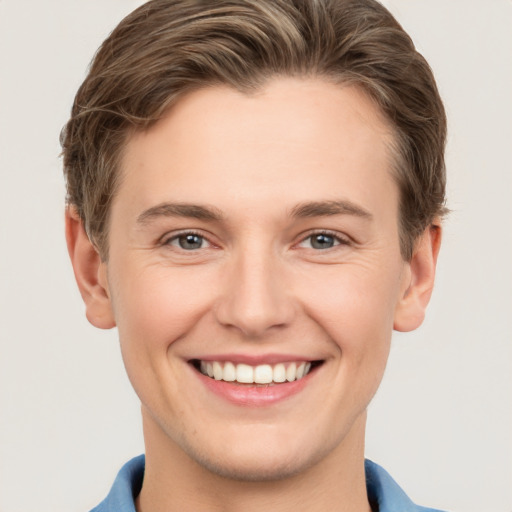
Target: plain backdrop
{"points": [[441, 423]]}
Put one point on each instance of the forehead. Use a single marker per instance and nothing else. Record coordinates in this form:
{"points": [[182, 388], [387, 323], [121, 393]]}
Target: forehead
{"points": [[293, 139]]}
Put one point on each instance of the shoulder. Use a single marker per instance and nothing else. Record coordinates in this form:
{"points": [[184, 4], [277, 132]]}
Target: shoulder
{"points": [[125, 489], [385, 494]]}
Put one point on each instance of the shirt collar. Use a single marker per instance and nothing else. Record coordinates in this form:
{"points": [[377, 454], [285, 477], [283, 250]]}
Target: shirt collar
{"points": [[384, 493]]}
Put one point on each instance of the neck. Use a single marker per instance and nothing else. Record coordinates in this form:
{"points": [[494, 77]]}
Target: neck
{"points": [[173, 481]]}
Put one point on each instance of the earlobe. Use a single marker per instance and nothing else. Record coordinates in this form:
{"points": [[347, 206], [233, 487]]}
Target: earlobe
{"points": [[90, 272], [419, 282]]}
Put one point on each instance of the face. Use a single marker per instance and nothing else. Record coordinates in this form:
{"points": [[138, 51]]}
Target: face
{"points": [[255, 274]]}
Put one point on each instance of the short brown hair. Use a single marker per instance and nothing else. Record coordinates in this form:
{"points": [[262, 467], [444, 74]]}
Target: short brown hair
{"points": [[167, 48]]}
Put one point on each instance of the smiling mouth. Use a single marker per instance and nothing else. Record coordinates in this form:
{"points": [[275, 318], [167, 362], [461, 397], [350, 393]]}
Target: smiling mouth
{"points": [[263, 374]]}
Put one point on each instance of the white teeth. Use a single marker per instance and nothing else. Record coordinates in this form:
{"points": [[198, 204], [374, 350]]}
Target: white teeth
{"points": [[291, 372], [217, 371], [279, 373], [229, 372], [261, 374], [244, 373]]}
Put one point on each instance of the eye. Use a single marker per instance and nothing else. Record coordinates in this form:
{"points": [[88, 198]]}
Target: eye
{"points": [[188, 241], [322, 241]]}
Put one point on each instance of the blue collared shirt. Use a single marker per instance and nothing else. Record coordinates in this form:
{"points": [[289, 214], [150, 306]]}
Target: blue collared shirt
{"points": [[383, 491]]}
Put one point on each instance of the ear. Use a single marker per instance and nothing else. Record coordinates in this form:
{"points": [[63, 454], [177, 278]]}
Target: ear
{"points": [[418, 281], [90, 273]]}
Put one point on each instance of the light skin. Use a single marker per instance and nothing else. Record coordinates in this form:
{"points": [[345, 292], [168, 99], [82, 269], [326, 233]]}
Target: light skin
{"points": [[254, 228]]}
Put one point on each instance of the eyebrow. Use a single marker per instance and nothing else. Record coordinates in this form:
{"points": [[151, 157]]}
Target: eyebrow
{"points": [[326, 208], [211, 214], [193, 211]]}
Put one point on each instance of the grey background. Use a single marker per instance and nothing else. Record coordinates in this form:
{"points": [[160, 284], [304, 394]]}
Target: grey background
{"points": [[442, 420]]}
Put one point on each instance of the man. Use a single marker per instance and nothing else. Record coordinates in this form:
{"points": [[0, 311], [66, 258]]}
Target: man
{"points": [[255, 191]]}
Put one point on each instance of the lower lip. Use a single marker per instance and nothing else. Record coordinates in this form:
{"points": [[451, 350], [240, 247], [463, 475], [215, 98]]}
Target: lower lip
{"points": [[254, 396]]}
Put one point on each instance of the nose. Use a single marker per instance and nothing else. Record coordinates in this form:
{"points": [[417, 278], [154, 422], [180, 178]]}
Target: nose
{"points": [[254, 298]]}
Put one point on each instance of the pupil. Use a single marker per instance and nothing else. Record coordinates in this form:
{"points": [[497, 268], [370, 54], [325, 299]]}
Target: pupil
{"points": [[190, 242], [322, 241]]}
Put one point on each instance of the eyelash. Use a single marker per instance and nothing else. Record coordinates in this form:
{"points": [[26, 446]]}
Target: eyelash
{"points": [[339, 240], [177, 236]]}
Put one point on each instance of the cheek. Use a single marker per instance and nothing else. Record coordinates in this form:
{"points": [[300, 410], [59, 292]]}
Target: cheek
{"points": [[356, 311], [354, 304], [156, 306]]}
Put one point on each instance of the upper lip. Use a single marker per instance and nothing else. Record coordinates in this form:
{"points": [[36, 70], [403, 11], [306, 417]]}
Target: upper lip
{"points": [[255, 360]]}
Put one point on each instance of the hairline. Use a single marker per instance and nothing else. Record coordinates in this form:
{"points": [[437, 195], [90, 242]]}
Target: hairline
{"points": [[392, 143]]}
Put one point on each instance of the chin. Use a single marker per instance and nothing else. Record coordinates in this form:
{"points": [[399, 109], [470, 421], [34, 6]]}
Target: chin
{"points": [[258, 464], [252, 470]]}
